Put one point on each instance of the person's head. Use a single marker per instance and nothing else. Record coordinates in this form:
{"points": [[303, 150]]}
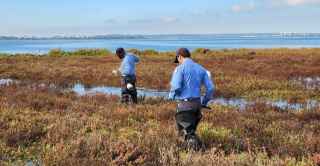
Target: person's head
{"points": [[120, 52], [182, 53]]}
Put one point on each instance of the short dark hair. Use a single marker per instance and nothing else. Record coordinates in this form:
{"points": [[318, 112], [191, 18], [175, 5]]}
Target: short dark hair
{"points": [[184, 52], [120, 51]]}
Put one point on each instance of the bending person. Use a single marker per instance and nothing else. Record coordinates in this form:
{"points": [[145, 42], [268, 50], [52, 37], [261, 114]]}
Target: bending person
{"points": [[128, 76]]}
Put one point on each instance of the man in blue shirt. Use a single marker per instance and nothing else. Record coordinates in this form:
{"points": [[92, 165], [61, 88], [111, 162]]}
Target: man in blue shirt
{"points": [[128, 74], [186, 84]]}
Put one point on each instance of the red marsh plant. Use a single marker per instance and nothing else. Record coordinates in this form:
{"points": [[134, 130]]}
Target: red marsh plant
{"points": [[97, 129], [266, 73]]}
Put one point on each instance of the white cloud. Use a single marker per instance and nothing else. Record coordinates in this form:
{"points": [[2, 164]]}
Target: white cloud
{"points": [[110, 21], [301, 2], [254, 5], [243, 7], [199, 12], [141, 21], [292, 2], [166, 20], [169, 19]]}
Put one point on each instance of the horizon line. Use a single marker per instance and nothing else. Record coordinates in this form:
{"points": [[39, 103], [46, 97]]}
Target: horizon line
{"points": [[140, 34]]}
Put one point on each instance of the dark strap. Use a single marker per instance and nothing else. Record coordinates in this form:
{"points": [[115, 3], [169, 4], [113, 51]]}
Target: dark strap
{"points": [[191, 100], [189, 106]]}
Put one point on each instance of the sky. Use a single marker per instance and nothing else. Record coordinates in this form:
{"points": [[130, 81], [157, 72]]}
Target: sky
{"points": [[99, 17]]}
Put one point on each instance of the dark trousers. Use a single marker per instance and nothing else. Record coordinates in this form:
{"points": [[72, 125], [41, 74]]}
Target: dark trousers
{"points": [[188, 116], [187, 122], [128, 95]]}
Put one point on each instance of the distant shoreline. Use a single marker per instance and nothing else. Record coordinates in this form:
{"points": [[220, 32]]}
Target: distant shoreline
{"points": [[154, 51], [161, 43], [198, 51], [147, 36]]}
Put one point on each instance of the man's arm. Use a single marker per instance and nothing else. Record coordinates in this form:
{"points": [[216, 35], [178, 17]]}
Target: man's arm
{"points": [[176, 84], [209, 88], [121, 67], [136, 59]]}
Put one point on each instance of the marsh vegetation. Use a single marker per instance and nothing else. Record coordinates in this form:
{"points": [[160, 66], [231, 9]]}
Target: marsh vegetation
{"points": [[40, 123]]}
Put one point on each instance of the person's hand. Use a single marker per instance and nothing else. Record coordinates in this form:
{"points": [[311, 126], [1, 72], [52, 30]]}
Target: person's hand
{"points": [[206, 107], [115, 72], [171, 97]]}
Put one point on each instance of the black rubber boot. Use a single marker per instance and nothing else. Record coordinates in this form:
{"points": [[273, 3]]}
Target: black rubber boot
{"points": [[193, 142]]}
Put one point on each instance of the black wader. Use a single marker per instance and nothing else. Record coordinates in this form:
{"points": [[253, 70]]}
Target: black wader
{"points": [[188, 117], [127, 94]]}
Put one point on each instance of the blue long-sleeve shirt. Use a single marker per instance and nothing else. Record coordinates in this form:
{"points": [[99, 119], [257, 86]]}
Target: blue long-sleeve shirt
{"points": [[128, 65], [187, 80]]}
